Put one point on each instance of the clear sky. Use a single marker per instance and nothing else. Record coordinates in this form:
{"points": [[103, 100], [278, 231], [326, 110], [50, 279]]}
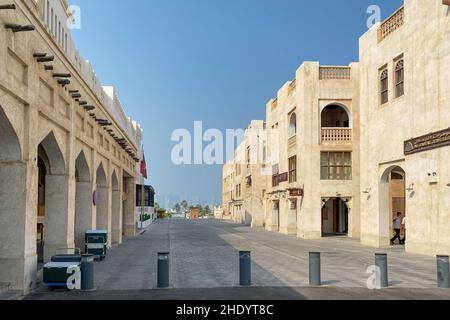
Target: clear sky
{"points": [[219, 61]]}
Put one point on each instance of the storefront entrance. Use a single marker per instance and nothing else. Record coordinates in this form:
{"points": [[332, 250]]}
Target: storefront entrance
{"points": [[334, 217]]}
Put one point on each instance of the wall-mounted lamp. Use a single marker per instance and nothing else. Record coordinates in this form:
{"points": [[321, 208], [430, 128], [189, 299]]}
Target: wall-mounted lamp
{"points": [[367, 191], [410, 188]]}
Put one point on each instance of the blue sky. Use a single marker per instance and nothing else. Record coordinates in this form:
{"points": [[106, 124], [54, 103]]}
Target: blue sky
{"points": [[177, 61]]}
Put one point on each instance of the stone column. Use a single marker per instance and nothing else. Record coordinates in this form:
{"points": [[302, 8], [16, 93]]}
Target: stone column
{"points": [[56, 215], [18, 259], [83, 214], [116, 217], [129, 207]]}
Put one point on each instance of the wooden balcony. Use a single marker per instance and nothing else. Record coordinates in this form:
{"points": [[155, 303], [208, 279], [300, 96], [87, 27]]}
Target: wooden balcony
{"points": [[337, 135]]}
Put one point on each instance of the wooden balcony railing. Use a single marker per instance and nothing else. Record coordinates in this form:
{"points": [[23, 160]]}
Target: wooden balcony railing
{"points": [[391, 24], [335, 73], [337, 135]]}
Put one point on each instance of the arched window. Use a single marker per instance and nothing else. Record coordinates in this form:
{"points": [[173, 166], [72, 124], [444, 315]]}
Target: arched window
{"points": [[335, 116], [384, 86], [292, 124], [399, 79]]}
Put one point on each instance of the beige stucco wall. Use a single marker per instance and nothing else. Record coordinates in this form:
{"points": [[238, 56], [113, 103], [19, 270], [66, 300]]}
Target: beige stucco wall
{"points": [[378, 136], [424, 41], [310, 97], [39, 110]]}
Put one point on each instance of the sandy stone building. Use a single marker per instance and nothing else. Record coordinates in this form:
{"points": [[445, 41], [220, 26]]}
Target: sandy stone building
{"points": [[227, 189], [405, 107], [312, 133], [352, 146], [68, 153], [245, 177]]}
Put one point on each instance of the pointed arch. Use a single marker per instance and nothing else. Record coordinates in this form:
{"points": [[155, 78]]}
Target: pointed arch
{"points": [[102, 190], [83, 199], [114, 181], [9, 141], [13, 208], [116, 209], [57, 164], [53, 211], [83, 172], [102, 180]]}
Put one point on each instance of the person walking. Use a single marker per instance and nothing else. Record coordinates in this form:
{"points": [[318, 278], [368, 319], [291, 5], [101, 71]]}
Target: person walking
{"points": [[397, 229], [403, 241]]}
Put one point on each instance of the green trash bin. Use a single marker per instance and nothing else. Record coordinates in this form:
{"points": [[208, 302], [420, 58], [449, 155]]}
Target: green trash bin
{"points": [[96, 243], [55, 272]]}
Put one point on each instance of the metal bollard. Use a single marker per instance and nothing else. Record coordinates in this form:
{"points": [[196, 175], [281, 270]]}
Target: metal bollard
{"points": [[443, 272], [87, 272], [245, 268], [315, 278], [163, 270], [381, 261]]}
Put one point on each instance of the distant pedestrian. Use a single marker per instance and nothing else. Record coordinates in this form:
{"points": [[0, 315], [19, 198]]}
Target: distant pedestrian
{"points": [[403, 241], [397, 228]]}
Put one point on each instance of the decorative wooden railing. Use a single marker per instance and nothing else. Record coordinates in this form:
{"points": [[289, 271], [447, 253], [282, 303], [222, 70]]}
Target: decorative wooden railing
{"points": [[335, 73], [391, 24], [337, 135]]}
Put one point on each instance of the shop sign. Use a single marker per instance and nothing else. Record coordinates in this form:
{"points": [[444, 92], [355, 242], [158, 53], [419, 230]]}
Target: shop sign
{"points": [[428, 142]]}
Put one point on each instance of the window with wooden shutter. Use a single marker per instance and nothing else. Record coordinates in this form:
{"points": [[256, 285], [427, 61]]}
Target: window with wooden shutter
{"points": [[384, 86], [399, 79]]}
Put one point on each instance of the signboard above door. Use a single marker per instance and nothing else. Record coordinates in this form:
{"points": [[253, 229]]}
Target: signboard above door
{"points": [[428, 142]]}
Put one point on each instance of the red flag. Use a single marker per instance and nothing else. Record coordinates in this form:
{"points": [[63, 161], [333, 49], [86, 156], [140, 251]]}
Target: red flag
{"points": [[143, 165]]}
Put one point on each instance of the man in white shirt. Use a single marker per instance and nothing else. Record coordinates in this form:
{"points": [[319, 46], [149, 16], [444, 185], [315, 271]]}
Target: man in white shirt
{"points": [[403, 241], [397, 228]]}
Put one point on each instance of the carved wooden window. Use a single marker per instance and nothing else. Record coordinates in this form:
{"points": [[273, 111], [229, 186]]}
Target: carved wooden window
{"points": [[293, 169], [384, 86], [399, 79], [336, 166]]}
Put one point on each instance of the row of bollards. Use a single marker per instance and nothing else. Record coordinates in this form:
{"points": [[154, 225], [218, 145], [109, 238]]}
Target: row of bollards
{"points": [[315, 270], [381, 263], [245, 269]]}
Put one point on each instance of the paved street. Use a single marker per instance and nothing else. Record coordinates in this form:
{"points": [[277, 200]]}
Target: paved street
{"points": [[204, 256]]}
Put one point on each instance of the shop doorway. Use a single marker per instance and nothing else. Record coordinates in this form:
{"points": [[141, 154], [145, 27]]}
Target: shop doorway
{"points": [[334, 217], [392, 203]]}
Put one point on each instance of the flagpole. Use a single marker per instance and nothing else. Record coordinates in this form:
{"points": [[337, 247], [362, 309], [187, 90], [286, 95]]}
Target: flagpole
{"points": [[143, 200], [142, 192]]}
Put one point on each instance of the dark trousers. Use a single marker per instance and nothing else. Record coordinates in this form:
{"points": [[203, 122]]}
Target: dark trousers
{"points": [[397, 236]]}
